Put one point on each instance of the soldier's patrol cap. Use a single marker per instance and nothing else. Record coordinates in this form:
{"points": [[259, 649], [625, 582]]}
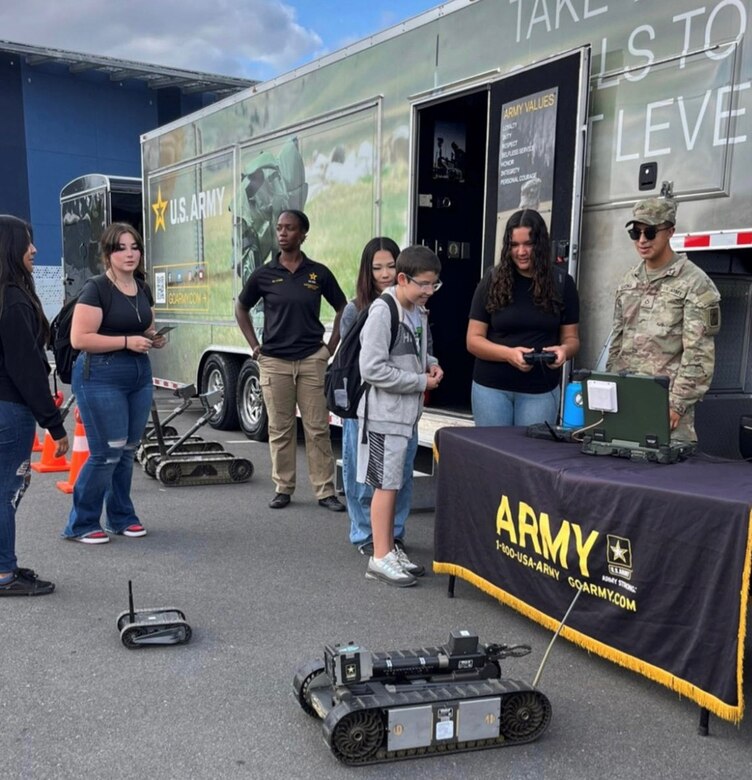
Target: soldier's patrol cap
{"points": [[654, 211]]}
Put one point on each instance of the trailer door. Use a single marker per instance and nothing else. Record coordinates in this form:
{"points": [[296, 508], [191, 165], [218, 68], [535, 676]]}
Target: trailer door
{"points": [[84, 213], [482, 153]]}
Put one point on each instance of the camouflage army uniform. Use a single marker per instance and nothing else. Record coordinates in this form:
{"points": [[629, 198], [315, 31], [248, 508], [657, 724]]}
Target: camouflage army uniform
{"points": [[664, 323]]}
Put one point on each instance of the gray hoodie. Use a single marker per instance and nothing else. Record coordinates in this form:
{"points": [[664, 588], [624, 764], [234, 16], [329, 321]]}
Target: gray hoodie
{"points": [[397, 378]]}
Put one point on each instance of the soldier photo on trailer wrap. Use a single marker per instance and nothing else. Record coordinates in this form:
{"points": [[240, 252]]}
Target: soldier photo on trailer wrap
{"points": [[666, 315]]}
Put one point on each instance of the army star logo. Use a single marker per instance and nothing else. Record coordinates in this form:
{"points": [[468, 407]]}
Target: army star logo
{"points": [[619, 556], [313, 276], [618, 553], [159, 207]]}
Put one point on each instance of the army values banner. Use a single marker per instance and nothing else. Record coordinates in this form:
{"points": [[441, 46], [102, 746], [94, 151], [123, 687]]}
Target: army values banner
{"points": [[661, 553], [527, 151]]}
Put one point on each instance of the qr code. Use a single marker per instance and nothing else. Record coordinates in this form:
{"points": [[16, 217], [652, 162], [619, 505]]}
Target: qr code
{"points": [[160, 288]]}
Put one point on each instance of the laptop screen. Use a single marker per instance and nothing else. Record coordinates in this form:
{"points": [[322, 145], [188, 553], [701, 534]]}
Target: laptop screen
{"points": [[626, 408]]}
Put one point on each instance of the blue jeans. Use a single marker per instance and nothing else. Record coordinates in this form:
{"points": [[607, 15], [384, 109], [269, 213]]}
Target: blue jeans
{"points": [[17, 428], [114, 403], [492, 407], [359, 495]]}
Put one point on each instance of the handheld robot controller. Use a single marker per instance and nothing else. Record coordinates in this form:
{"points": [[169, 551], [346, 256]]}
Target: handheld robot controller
{"points": [[531, 358]]}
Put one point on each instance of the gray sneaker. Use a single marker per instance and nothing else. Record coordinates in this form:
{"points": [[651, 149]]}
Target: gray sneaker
{"points": [[388, 569], [411, 567]]}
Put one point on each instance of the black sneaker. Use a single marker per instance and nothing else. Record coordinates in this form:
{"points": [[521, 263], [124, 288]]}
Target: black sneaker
{"points": [[332, 503], [26, 583], [280, 501]]}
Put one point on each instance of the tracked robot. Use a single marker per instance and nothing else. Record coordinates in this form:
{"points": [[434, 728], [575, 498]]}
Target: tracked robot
{"points": [[155, 626], [379, 707], [188, 460]]}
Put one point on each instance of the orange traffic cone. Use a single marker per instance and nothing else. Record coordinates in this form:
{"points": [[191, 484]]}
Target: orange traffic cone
{"points": [[79, 456], [48, 462], [58, 398]]}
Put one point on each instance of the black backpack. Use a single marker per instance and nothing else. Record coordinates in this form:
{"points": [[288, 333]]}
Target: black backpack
{"points": [[59, 343], [343, 385]]}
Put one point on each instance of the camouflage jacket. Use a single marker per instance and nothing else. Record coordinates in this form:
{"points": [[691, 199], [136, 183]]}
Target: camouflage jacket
{"points": [[666, 325]]}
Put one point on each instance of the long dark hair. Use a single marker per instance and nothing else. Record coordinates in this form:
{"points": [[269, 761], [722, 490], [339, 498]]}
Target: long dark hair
{"points": [[365, 290], [500, 291], [16, 236]]}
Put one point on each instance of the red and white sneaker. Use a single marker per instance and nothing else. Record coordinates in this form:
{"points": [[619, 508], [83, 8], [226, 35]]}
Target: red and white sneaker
{"points": [[134, 530], [95, 537]]}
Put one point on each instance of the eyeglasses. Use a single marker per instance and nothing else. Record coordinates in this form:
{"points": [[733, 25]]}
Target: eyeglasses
{"points": [[650, 232], [426, 285]]}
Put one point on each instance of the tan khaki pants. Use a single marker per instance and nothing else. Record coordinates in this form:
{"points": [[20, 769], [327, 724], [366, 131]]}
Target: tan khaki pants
{"points": [[285, 384]]}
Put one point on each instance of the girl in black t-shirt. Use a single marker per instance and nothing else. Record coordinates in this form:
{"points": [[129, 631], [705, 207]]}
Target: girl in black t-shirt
{"points": [[113, 326], [519, 308]]}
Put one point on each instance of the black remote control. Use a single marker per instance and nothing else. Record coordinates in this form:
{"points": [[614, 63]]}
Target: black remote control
{"points": [[531, 358]]}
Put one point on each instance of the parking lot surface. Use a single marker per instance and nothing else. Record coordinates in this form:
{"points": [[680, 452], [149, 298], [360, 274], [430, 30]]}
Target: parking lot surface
{"points": [[265, 590]]}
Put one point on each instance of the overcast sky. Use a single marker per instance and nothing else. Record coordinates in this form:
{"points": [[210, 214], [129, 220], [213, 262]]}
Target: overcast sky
{"points": [[248, 38]]}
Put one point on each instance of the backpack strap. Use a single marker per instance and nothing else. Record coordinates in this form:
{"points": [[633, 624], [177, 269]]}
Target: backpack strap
{"points": [[394, 317], [393, 311], [100, 281], [104, 291]]}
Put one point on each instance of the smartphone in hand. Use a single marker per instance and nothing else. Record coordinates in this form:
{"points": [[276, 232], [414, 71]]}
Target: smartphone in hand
{"points": [[164, 330]]}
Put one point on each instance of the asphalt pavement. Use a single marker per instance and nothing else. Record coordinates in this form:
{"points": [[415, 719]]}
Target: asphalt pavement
{"points": [[264, 590]]}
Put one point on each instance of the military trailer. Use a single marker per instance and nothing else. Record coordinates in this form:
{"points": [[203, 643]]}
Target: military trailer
{"points": [[434, 131], [88, 205]]}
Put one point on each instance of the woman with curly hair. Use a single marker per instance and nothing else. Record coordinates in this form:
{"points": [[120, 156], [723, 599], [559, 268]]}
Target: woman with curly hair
{"points": [[523, 304]]}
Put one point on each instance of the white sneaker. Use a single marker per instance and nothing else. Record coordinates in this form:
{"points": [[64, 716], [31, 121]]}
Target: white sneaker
{"points": [[411, 567], [388, 569]]}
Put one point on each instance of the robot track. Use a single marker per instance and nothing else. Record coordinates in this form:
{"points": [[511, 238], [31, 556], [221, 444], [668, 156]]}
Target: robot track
{"points": [[203, 469], [389, 724]]}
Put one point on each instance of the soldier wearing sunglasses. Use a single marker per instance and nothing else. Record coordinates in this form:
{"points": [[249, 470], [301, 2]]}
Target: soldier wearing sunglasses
{"points": [[666, 314]]}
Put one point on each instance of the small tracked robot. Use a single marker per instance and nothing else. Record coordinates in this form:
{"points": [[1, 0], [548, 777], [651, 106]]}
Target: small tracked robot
{"points": [[162, 626], [188, 460], [379, 707]]}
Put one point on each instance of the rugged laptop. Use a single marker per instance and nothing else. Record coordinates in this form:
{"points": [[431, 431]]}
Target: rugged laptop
{"points": [[627, 415]]}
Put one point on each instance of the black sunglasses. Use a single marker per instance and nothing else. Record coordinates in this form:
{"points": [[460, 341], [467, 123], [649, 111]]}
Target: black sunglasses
{"points": [[650, 232]]}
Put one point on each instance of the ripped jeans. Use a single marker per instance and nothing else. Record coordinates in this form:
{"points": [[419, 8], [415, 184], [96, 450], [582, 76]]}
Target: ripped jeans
{"points": [[114, 403], [17, 428]]}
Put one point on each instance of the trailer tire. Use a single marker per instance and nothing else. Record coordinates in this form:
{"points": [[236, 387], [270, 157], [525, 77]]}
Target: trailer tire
{"points": [[252, 416], [220, 372]]}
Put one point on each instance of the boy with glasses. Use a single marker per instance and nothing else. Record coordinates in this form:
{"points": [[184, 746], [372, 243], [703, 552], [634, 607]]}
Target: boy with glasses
{"points": [[666, 314], [389, 410]]}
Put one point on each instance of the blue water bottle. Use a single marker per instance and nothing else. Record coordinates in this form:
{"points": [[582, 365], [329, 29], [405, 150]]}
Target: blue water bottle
{"points": [[574, 413]]}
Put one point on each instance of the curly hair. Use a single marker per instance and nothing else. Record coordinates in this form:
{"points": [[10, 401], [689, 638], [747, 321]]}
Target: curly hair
{"points": [[16, 236], [500, 290], [365, 289]]}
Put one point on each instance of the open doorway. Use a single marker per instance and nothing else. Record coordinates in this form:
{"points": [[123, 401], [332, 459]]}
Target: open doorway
{"points": [[516, 142]]}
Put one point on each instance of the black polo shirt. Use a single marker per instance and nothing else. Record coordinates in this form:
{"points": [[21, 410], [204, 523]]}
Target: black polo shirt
{"points": [[292, 306]]}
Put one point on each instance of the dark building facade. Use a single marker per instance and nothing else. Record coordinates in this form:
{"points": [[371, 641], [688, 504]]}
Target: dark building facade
{"points": [[63, 115]]}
